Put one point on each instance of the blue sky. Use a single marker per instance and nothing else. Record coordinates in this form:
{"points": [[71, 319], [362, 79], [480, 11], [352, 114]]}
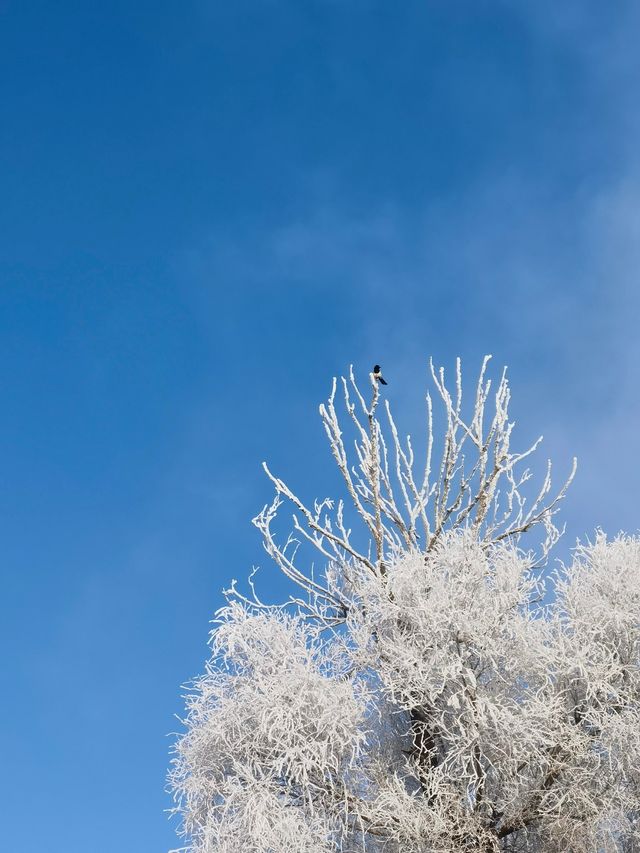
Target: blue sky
{"points": [[209, 209]]}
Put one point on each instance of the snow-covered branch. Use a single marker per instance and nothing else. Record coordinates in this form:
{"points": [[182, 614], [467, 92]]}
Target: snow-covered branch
{"points": [[479, 485], [419, 697]]}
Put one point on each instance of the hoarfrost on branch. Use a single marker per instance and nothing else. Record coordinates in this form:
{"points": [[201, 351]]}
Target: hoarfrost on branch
{"points": [[419, 695]]}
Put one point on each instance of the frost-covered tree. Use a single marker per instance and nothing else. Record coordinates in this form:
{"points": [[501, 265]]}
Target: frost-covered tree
{"points": [[423, 692]]}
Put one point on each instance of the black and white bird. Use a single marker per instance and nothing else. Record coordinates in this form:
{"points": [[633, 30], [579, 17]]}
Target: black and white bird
{"points": [[377, 375]]}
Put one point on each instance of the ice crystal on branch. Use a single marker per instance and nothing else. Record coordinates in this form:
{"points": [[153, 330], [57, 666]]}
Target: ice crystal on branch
{"points": [[418, 697]]}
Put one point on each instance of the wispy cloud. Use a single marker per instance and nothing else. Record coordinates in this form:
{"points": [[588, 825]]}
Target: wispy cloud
{"points": [[547, 280]]}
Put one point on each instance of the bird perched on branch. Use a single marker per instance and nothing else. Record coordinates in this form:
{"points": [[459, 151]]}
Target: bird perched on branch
{"points": [[377, 375]]}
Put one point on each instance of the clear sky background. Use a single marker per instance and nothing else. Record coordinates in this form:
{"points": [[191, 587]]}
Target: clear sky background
{"points": [[207, 210]]}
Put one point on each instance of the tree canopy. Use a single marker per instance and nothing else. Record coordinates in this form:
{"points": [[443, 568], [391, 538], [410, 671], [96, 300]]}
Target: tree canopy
{"points": [[434, 688]]}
